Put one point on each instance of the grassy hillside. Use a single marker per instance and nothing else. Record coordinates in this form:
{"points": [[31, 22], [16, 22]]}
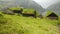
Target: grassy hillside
{"points": [[12, 24]]}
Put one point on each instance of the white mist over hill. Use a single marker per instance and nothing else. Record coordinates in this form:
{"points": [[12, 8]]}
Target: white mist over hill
{"points": [[46, 3]]}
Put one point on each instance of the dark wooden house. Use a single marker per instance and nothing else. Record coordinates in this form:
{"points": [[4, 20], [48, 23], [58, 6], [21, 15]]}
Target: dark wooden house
{"points": [[51, 15]]}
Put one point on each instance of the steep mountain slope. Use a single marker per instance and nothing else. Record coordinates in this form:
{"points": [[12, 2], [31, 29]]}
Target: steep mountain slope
{"points": [[22, 3], [31, 4], [55, 8]]}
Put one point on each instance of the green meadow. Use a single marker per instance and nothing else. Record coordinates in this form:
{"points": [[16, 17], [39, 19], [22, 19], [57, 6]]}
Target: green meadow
{"points": [[18, 24], [13, 24]]}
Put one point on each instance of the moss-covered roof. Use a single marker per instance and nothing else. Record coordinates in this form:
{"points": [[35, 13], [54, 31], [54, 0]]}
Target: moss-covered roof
{"points": [[47, 13], [15, 8], [28, 11]]}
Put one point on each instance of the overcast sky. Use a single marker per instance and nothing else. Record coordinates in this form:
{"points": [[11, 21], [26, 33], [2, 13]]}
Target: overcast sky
{"points": [[46, 3], [43, 3], [6, 0]]}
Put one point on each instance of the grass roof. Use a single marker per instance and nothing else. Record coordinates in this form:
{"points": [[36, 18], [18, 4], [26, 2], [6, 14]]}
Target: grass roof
{"points": [[28, 11], [48, 13], [15, 8]]}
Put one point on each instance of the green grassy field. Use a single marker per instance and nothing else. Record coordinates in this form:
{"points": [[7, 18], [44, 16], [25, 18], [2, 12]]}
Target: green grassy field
{"points": [[13, 24]]}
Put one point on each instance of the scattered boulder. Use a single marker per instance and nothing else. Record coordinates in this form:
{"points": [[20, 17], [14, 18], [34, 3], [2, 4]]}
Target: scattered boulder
{"points": [[8, 12]]}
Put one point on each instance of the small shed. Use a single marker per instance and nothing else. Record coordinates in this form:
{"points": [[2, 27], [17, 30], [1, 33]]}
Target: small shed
{"points": [[40, 16], [51, 15]]}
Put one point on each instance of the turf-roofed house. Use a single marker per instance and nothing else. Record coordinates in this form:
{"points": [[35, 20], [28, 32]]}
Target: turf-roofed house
{"points": [[29, 12], [51, 15]]}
